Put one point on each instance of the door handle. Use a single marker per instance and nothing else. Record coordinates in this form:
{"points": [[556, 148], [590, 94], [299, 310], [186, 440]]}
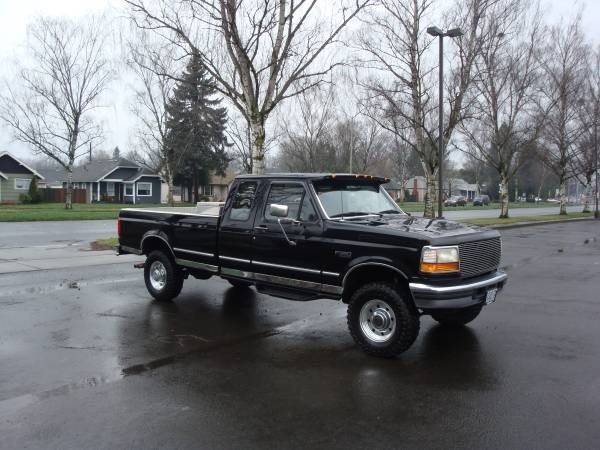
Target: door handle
{"points": [[261, 228]]}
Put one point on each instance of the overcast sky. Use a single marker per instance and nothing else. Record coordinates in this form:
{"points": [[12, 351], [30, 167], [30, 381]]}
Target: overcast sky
{"points": [[16, 14]]}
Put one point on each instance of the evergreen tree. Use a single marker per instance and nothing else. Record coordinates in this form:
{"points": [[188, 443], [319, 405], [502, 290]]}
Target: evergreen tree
{"points": [[116, 153], [196, 127]]}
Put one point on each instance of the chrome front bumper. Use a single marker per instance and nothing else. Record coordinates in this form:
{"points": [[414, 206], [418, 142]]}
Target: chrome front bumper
{"points": [[440, 296]]}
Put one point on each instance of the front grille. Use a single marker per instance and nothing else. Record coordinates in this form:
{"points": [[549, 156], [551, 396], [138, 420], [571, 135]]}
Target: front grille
{"points": [[479, 257]]}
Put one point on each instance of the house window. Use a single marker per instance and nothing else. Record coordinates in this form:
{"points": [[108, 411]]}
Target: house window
{"points": [[144, 189], [207, 190], [22, 184], [110, 189], [129, 189]]}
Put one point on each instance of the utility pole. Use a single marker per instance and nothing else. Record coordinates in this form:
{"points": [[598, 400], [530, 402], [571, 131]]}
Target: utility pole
{"points": [[455, 32]]}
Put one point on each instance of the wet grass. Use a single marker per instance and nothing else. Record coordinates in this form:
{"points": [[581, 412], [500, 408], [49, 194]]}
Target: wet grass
{"points": [[488, 221], [57, 211], [104, 244]]}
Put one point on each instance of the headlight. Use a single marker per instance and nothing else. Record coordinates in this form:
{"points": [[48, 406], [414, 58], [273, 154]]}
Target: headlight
{"points": [[440, 260]]}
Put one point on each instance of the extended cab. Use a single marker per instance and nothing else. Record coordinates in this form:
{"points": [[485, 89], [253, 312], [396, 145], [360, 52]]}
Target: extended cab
{"points": [[310, 236]]}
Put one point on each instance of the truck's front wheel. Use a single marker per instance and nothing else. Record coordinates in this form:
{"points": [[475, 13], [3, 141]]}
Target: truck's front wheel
{"points": [[163, 279], [381, 320]]}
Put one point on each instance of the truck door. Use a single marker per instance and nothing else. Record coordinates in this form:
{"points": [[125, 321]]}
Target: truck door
{"points": [[235, 233], [295, 261]]}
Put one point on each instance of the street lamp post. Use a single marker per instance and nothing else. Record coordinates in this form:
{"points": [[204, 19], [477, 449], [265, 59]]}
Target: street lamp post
{"points": [[454, 32]]}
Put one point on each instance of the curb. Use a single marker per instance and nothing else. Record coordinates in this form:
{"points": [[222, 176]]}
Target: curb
{"points": [[541, 222]]}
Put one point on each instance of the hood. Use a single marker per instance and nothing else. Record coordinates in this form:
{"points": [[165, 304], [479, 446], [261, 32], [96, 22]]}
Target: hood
{"points": [[427, 228]]}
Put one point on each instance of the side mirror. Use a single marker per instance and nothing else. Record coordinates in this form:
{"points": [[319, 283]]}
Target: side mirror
{"points": [[278, 210]]}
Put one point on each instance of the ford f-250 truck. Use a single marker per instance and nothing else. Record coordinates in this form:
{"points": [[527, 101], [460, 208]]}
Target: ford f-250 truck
{"points": [[311, 236]]}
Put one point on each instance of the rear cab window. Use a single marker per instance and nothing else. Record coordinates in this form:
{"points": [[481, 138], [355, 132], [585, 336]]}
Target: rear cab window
{"points": [[243, 200]]}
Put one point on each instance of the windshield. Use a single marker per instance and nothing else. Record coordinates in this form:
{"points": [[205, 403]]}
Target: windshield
{"points": [[350, 198]]}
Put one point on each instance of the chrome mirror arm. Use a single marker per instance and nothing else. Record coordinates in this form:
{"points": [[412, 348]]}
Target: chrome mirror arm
{"points": [[289, 241]]}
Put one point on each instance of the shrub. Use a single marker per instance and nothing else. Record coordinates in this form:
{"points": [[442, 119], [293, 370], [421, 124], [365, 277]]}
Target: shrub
{"points": [[24, 199], [34, 194]]}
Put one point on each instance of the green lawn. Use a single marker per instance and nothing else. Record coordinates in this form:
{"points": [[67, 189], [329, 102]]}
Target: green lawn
{"points": [[418, 207], [105, 244], [57, 211], [512, 220]]}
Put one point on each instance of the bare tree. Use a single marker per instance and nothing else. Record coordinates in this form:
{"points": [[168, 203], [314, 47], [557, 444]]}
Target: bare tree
{"points": [[240, 138], [150, 61], [394, 38], [50, 107], [307, 132], [504, 123], [586, 153], [259, 53], [563, 63]]}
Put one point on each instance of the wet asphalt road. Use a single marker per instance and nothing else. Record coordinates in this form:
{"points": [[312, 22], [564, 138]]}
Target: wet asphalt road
{"points": [[97, 364]]}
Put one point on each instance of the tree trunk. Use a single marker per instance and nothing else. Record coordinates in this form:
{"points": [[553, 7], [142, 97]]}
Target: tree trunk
{"points": [[257, 136], [69, 196], [430, 195], [170, 187], [196, 199], [587, 202], [504, 197], [563, 197], [401, 194]]}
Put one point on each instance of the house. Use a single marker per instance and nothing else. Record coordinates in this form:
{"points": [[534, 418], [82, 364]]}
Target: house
{"points": [[458, 186], [111, 180], [216, 190], [15, 178], [417, 187]]}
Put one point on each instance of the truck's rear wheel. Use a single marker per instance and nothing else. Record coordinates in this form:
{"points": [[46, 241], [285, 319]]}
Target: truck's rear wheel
{"points": [[457, 317], [381, 321], [163, 279]]}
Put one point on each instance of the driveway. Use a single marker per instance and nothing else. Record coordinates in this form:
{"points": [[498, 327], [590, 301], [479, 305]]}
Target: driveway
{"points": [[92, 362]]}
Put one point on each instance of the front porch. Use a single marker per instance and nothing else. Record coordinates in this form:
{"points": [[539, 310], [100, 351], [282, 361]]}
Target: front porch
{"points": [[123, 192]]}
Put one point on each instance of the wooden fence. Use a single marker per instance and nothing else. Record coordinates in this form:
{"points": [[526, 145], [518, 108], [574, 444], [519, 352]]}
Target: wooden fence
{"points": [[59, 195]]}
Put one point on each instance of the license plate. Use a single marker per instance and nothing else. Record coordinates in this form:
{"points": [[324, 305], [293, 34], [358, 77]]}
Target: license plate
{"points": [[490, 296]]}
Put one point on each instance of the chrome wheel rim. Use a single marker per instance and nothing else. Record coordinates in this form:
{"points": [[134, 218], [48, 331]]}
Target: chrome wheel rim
{"points": [[158, 275], [377, 321]]}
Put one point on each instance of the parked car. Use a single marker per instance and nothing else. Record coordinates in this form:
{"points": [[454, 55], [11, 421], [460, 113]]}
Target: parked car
{"points": [[305, 237], [456, 200], [481, 200]]}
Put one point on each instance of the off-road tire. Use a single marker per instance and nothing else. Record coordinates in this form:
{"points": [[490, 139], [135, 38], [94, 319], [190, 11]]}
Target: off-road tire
{"points": [[174, 277], [406, 318], [239, 284], [457, 317]]}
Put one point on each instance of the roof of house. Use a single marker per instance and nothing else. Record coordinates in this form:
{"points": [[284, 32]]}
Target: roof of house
{"points": [[3, 176], [99, 170], [18, 161], [53, 176]]}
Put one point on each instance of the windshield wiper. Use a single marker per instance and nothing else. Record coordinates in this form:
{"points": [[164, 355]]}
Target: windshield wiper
{"points": [[391, 211], [353, 214]]}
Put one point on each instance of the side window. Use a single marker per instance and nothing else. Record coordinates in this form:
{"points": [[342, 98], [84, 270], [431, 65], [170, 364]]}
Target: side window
{"points": [[307, 211], [243, 200], [285, 194]]}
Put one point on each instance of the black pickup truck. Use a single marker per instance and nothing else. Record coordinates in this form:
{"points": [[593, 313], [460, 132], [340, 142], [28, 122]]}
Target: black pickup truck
{"points": [[310, 236]]}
